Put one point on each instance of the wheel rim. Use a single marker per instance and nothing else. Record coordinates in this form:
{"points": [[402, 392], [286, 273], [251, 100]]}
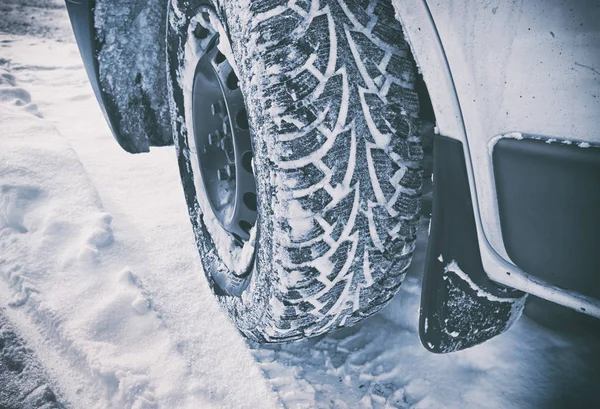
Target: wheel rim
{"points": [[223, 141]]}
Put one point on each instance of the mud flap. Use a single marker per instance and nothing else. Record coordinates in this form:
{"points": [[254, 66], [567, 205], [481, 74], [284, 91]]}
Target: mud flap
{"points": [[126, 92], [460, 306]]}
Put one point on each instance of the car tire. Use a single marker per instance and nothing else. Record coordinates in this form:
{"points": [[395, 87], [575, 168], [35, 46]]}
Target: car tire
{"points": [[337, 159]]}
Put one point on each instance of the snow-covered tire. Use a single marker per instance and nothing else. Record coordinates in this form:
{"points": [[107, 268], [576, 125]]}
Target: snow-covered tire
{"points": [[329, 90]]}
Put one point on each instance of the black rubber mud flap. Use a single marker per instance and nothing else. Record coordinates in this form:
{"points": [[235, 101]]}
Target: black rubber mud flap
{"points": [[460, 306]]}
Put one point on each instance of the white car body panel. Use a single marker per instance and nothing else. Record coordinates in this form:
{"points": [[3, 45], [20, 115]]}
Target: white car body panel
{"points": [[497, 68], [525, 67]]}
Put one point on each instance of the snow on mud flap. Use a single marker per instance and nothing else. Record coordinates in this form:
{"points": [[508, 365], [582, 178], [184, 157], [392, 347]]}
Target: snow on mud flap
{"points": [[307, 221]]}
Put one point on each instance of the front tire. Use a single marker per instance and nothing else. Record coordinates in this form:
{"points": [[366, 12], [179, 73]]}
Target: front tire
{"points": [[329, 91]]}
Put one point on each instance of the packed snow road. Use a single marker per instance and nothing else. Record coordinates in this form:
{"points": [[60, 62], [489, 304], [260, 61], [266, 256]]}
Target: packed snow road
{"points": [[100, 277]]}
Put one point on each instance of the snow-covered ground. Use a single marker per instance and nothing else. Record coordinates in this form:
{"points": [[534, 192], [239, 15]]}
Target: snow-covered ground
{"points": [[100, 276]]}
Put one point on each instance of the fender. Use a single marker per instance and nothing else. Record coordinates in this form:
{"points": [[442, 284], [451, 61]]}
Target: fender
{"points": [[494, 72], [122, 45]]}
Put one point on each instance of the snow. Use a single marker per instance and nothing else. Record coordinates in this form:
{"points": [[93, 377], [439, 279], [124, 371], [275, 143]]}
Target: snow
{"points": [[519, 136], [510, 135], [455, 268], [84, 289], [99, 274], [518, 303], [583, 145]]}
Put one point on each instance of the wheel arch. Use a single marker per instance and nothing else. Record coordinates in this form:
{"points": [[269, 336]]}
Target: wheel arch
{"points": [[460, 306]]}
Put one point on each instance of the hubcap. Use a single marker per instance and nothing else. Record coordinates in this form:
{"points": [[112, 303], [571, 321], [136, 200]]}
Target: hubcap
{"points": [[223, 143]]}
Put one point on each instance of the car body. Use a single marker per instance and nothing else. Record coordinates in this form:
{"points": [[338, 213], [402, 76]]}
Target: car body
{"points": [[515, 84], [515, 90]]}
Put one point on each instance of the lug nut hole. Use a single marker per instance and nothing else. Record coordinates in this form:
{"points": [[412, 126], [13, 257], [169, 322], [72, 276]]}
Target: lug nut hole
{"points": [[250, 201], [201, 32], [232, 81], [219, 58], [241, 119], [247, 161], [245, 226]]}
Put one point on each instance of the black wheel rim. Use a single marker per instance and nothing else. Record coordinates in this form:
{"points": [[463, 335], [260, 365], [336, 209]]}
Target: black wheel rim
{"points": [[223, 142]]}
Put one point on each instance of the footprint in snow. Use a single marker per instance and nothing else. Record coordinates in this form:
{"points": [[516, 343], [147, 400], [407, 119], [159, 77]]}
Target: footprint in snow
{"points": [[88, 256], [129, 280], [20, 283], [97, 237], [13, 95], [15, 202], [21, 297], [123, 314], [7, 78]]}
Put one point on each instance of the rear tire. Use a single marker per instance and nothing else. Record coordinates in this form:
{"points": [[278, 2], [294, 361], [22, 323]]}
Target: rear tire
{"points": [[337, 158]]}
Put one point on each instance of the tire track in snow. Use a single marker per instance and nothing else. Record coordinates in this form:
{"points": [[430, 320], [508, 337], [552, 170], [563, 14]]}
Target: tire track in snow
{"points": [[24, 382], [90, 321], [381, 364]]}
